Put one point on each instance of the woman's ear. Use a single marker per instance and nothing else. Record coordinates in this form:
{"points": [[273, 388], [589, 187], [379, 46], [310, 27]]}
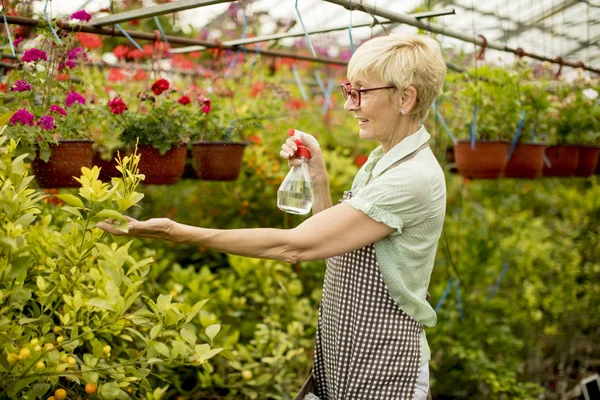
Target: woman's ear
{"points": [[409, 100]]}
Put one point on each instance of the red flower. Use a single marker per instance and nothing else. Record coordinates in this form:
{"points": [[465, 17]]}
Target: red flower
{"points": [[140, 75], [135, 54], [117, 106], [89, 40], [295, 104], [255, 138], [116, 75], [3, 87], [205, 103], [257, 89], [121, 51], [195, 54], [160, 86], [184, 100], [360, 160], [134, 22]]}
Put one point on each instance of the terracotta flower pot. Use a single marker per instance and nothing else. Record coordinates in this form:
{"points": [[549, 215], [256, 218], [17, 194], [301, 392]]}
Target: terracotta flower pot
{"points": [[563, 161], [108, 168], [526, 161], [163, 169], [486, 161], [66, 159], [588, 160], [218, 161]]}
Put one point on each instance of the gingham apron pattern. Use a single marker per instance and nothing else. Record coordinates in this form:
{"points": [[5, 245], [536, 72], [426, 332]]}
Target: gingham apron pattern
{"points": [[366, 346]]}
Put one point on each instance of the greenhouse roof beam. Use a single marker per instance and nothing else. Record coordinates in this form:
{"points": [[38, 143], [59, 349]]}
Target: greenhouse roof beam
{"points": [[538, 25], [240, 42], [442, 30], [583, 45], [148, 12], [172, 39], [537, 20]]}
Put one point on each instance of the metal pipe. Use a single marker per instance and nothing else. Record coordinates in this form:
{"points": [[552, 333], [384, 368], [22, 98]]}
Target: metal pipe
{"points": [[154, 11], [435, 28], [239, 42], [171, 39]]}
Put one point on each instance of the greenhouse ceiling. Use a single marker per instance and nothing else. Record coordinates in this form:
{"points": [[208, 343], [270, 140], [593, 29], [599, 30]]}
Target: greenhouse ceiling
{"points": [[551, 28]]}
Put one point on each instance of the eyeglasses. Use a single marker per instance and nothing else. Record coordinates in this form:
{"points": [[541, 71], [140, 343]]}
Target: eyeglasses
{"points": [[355, 94]]}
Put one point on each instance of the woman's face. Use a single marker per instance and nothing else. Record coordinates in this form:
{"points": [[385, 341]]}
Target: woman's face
{"points": [[377, 116]]}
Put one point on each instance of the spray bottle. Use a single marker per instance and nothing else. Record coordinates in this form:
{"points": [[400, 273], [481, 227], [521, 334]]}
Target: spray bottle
{"points": [[295, 195]]}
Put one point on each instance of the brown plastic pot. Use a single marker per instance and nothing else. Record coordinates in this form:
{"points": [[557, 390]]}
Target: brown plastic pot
{"points": [[218, 161], [160, 169], [486, 160], [526, 161], [563, 161], [588, 160], [66, 160]]}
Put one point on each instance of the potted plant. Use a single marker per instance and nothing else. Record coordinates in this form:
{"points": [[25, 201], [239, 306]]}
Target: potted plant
{"points": [[588, 132], [563, 137], [158, 125], [487, 115], [50, 116], [526, 156]]}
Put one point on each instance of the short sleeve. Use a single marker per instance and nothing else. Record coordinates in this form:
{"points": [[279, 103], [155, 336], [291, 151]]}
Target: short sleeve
{"points": [[399, 198]]}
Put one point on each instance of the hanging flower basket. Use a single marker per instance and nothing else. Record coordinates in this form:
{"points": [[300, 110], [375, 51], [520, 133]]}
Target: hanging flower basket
{"points": [[189, 172], [526, 161], [588, 160], [66, 159], [486, 160], [160, 169], [218, 161], [563, 161]]}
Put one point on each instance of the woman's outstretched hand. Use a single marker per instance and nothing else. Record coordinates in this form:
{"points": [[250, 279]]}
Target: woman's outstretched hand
{"points": [[154, 228], [316, 164]]}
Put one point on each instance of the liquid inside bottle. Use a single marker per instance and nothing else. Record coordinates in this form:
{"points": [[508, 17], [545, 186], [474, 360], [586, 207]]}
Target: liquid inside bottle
{"points": [[296, 197]]}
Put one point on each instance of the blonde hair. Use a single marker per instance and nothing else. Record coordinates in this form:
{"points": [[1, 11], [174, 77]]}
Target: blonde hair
{"points": [[403, 60]]}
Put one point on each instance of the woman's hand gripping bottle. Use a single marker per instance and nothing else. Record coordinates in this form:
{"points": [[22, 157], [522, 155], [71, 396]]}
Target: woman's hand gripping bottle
{"points": [[295, 195]]}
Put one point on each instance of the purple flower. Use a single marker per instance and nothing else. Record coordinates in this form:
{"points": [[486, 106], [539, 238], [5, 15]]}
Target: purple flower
{"points": [[34, 55], [73, 98], [68, 63], [57, 109], [76, 53], [22, 117], [46, 122], [21, 86], [81, 15], [18, 41]]}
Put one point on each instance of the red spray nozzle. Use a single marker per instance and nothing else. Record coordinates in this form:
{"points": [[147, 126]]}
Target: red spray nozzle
{"points": [[302, 150]]}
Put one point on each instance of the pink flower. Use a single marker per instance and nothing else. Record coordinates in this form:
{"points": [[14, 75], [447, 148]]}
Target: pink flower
{"points": [[76, 53], [184, 100], [17, 41], [117, 106], [21, 86], [33, 55], [57, 109], [46, 122], [22, 117], [63, 65], [81, 15], [205, 103], [73, 98]]}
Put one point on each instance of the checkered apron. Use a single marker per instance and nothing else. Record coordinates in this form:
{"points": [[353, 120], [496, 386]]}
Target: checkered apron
{"points": [[366, 346]]}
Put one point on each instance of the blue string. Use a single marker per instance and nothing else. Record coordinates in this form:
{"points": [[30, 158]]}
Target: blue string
{"points": [[299, 82], [327, 95], [444, 295], [474, 127], [597, 102], [235, 57], [162, 32], [320, 81], [439, 116], [497, 283], [305, 31], [458, 299], [50, 24], [547, 162], [128, 37], [12, 47], [229, 130], [350, 31], [516, 139]]}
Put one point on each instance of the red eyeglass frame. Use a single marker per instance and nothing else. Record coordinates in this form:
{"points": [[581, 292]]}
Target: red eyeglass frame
{"points": [[347, 91]]}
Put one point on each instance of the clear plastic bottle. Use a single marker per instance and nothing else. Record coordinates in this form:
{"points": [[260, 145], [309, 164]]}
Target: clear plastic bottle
{"points": [[295, 195]]}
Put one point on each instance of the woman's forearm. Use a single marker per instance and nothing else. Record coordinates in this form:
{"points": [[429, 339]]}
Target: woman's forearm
{"points": [[274, 244], [322, 195]]}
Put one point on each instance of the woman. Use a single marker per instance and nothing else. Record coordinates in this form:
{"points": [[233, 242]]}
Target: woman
{"points": [[380, 240]]}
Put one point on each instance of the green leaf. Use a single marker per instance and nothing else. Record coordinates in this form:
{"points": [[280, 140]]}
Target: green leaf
{"points": [[5, 118], [212, 330], [110, 391], [41, 283], [195, 310], [73, 211], [112, 214], [40, 389], [162, 349], [202, 350], [188, 336], [100, 303], [71, 200], [163, 302], [20, 385], [155, 330]]}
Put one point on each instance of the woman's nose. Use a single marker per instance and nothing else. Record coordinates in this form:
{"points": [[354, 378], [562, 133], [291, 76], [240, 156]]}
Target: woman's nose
{"points": [[349, 105]]}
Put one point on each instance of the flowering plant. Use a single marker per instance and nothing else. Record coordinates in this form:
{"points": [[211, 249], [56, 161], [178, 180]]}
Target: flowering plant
{"points": [[46, 103]]}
